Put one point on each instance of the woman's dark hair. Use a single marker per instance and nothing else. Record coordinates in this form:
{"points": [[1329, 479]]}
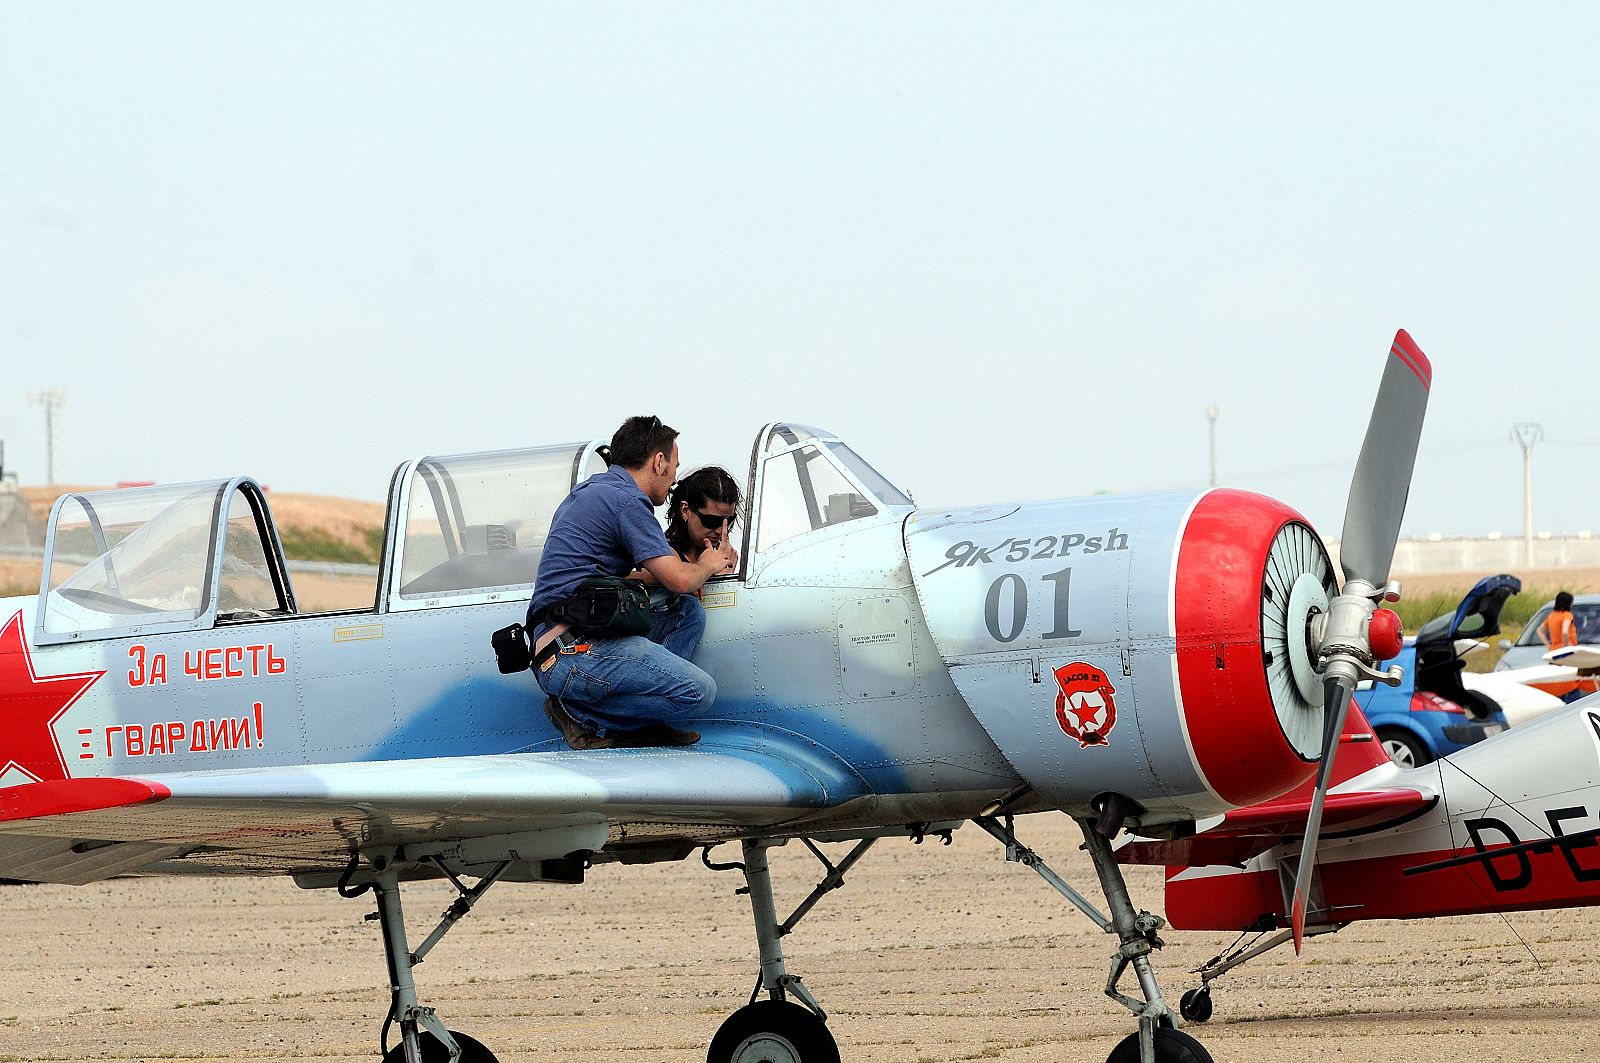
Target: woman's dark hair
{"points": [[1564, 602], [709, 484]]}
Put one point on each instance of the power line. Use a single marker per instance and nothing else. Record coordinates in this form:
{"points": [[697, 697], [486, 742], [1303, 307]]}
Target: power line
{"points": [[1211, 414], [51, 399], [1526, 434]]}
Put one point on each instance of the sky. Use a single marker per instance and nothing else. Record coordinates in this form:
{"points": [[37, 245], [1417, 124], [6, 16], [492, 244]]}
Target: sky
{"points": [[1006, 251]]}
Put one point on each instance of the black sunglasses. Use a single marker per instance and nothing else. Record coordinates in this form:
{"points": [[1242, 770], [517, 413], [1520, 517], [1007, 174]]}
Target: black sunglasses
{"points": [[712, 521]]}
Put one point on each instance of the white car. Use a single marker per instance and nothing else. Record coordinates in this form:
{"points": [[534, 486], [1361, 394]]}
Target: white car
{"points": [[1529, 650]]}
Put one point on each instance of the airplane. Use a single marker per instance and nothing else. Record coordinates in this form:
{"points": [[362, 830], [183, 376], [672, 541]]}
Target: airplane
{"points": [[1499, 826], [883, 670], [1566, 674]]}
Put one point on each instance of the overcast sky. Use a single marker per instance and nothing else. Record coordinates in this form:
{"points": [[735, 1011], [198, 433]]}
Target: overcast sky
{"points": [[1007, 251]]}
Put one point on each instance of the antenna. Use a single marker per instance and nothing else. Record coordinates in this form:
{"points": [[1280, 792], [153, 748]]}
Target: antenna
{"points": [[1212, 413], [1527, 434], [51, 399]]}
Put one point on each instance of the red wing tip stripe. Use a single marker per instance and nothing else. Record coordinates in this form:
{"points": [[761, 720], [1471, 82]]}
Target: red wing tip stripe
{"points": [[1405, 348], [63, 797]]}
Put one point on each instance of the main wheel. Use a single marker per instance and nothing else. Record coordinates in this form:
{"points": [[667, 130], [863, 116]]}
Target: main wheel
{"points": [[1172, 1046], [774, 1031], [1403, 748], [1195, 1005], [435, 1052]]}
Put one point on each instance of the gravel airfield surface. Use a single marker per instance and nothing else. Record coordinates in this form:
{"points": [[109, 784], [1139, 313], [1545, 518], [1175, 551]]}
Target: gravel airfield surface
{"points": [[929, 953]]}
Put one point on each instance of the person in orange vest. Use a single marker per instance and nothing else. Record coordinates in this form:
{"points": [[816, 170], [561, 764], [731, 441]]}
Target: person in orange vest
{"points": [[1559, 629]]}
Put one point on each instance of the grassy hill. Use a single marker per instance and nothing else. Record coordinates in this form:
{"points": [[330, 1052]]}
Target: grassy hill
{"points": [[312, 527]]}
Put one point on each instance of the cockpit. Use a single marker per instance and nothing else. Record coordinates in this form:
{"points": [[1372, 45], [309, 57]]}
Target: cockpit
{"points": [[171, 558], [807, 480], [461, 529], [474, 524]]}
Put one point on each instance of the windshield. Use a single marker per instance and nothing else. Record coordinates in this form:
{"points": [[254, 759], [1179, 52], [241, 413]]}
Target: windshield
{"points": [[786, 435], [478, 521], [247, 587], [147, 556], [811, 482], [1478, 614], [1586, 615], [132, 553], [802, 492], [870, 478]]}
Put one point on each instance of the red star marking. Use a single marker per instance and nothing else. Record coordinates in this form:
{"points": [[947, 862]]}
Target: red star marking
{"points": [[29, 707], [1085, 712]]}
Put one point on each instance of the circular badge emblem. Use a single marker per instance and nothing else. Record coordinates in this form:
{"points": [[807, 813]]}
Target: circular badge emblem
{"points": [[1086, 707]]}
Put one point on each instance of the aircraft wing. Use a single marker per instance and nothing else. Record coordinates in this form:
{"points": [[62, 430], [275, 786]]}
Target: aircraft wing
{"points": [[1246, 832], [310, 818]]}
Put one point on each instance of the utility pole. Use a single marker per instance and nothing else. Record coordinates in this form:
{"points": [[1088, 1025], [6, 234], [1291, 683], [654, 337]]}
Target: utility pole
{"points": [[51, 399], [1527, 434], [1211, 415]]}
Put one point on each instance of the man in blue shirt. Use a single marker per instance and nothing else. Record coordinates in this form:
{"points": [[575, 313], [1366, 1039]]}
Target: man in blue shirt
{"points": [[606, 692]]}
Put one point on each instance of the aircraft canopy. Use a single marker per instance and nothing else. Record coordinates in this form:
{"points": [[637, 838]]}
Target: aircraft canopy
{"points": [[168, 558], [809, 479], [475, 524], [461, 529]]}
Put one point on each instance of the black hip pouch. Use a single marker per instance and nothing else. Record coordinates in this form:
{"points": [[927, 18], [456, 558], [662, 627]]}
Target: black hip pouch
{"points": [[606, 607]]}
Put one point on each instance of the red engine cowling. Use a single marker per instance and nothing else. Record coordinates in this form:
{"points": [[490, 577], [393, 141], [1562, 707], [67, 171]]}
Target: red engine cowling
{"points": [[1254, 735]]}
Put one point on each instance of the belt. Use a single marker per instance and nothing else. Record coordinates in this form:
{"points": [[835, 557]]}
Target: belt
{"points": [[565, 642]]}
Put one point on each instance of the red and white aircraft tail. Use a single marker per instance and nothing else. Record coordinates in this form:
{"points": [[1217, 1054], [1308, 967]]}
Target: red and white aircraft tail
{"points": [[1509, 824]]}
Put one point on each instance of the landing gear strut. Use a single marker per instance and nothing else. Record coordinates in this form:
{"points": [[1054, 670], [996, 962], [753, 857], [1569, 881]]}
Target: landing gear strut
{"points": [[1195, 1005], [1158, 1041], [778, 1030], [423, 1037]]}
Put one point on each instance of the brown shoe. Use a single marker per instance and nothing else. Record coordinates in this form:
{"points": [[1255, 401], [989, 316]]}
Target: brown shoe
{"points": [[576, 734], [656, 734]]}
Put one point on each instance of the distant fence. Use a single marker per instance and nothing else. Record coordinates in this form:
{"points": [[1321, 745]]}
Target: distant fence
{"points": [[1412, 557], [1421, 557], [320, 568]]}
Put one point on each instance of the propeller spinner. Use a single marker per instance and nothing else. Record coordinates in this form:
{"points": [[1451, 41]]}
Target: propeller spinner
{"points": [[1346, 635]]}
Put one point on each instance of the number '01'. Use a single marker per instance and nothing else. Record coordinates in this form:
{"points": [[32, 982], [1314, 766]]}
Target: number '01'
{"points": [[1011, 585]]}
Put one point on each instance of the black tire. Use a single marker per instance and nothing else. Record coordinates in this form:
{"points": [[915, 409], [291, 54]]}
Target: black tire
{"points": [[772, 1031], [1172, 1046], [1195, 1005], [434, 1052], [1404, 748]]}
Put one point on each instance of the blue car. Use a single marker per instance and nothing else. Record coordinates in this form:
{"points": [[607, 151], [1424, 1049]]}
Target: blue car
{"points": [[1430, 714]]}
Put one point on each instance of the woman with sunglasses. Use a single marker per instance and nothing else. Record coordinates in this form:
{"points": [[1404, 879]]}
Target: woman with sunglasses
{"points": [[701, 511]]}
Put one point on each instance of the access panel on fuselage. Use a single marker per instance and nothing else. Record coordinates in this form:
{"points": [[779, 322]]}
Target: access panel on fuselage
{"points": [[1055, 620]]}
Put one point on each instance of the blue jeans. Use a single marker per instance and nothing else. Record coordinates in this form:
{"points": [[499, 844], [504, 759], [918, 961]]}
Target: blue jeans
{"points": [[622, 683]]}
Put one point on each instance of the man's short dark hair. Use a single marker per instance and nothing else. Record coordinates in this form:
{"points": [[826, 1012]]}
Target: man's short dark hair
{"points": [[638, 440]]}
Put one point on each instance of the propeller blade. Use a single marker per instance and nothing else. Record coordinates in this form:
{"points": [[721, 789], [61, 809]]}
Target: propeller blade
{"points": [[1383, 473], [1372, 516], [1336, 694]]}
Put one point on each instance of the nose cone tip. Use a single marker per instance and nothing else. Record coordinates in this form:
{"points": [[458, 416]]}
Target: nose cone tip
{"points": [[1385, 634]]}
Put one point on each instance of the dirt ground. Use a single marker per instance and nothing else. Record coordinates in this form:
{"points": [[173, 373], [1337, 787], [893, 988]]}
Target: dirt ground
{"points": [[928, 954]]}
